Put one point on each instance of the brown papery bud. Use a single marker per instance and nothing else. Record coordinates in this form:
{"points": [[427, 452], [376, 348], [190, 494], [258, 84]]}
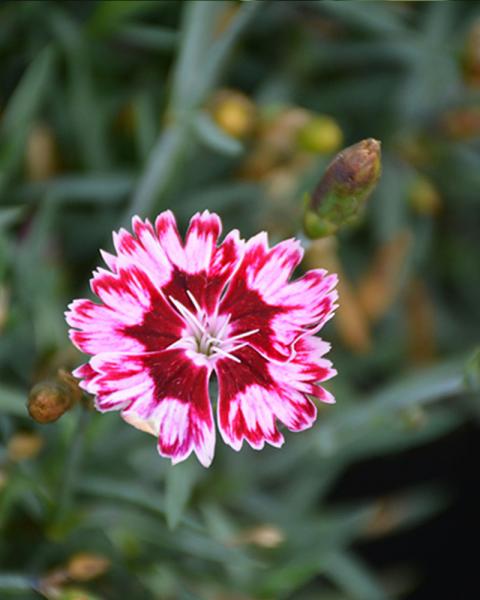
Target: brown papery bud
{"points": [[48, 401]]}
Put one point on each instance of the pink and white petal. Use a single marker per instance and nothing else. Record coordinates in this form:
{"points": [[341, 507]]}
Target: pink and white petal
{"points": [[110, 260], [86, 375], [169, 238], [146, 316], [141, 250], [249, 297], [224, 260], [251, 401], [201, 241], [307, 304], [183, 429], [163, 393], [267, 270], [101, 329], [119, 381], [202, 268], [260, 297], [306, 369]]}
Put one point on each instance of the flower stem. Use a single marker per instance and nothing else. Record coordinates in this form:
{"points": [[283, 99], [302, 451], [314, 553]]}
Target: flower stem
{"points": [[71, 467]]}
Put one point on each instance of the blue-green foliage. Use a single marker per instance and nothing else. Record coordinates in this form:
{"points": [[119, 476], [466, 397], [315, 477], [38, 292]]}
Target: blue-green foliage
{"points": [[124, 88]]}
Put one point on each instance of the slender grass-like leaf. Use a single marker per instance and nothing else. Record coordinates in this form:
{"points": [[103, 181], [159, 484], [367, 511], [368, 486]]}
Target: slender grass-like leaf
{"points": [[215, 138], [179, 483], [111, 14], [352, 577], [13, 401], [29, 94]]}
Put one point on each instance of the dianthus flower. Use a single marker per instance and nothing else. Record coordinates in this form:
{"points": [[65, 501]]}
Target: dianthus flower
{"points": [[173, 313]]}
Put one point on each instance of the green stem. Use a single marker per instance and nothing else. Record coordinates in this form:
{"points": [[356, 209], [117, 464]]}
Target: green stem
{"points": [[71, 467]]}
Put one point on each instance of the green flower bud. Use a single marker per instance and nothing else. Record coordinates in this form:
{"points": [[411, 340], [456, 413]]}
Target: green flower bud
{"points": [[321, 135], [343, 190]]}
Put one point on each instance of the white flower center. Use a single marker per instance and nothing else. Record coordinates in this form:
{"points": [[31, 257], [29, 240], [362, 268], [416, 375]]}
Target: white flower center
{"points": [[207, 335]]}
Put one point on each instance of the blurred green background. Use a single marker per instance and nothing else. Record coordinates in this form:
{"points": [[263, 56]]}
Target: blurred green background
{"points": [[112, 108]]}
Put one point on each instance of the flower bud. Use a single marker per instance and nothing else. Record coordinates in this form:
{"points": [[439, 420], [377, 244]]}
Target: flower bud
{"points": [[264, 536], [84, 566], [48, 401], [3, 480], [4, 302], [234, 113], [41, 154], [23, 446], [471, 56], [321, 135], [461, 123], [424, 197], [343, 190]]}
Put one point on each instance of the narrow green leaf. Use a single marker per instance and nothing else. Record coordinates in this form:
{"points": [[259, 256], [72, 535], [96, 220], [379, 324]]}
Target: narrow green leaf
{"points": [[160, 168], [179, 483], [219, 52], [222, 197], [105, 188], [149, 37], [352, 577], [472, 371], [87, 113], [13, 401], [394, 435], [198, 20], [192, 80], [124, 491], [29, 94], [426, 386], [110, 14], [381, 19], [146, 123], [10, 215], [213, 137], [20, 112], [12, 583]]}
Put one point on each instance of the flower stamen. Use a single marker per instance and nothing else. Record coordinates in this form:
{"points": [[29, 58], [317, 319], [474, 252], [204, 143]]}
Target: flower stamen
{"points": [[218, 350], [206, 334]]}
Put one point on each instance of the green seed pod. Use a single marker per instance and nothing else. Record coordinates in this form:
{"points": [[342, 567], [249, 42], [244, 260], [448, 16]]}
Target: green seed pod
{"points": [[343, 190]]}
